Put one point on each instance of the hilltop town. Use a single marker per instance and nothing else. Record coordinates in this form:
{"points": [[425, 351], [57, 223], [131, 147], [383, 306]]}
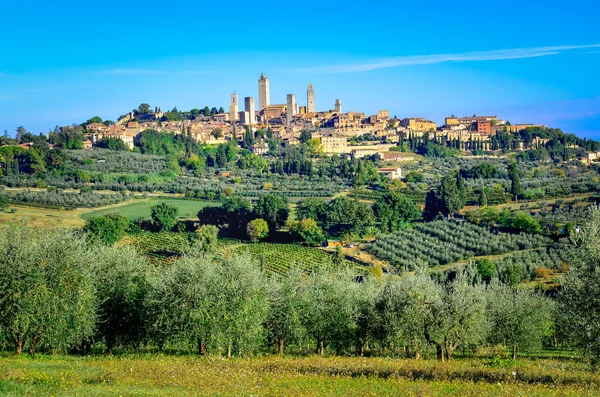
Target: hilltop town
{"points": [[337, 132]]}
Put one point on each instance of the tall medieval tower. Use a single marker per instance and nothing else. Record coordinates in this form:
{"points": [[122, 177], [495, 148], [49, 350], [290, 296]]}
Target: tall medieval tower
{"points": [[291, 108], [310, 99], [264, 97], [338, 106], [233, 108], [249, 107]]}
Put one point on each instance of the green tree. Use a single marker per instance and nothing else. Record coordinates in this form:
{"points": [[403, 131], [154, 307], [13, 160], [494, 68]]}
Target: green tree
{"points": [[164, 216], [305, 136], [515, 180], [394, 211], [107, 228], [20, 133], [205, 238], [283, 319], [94, 119], [452, 193], [485, 268], [144, 108], [4, 201], [579, 305], [328, 308], [273, 209], [248, 139], [192, 305], [257, 229], [121, 282], [520, 317], [307, 231], [313, 208], [238, 211], [47, 296]]}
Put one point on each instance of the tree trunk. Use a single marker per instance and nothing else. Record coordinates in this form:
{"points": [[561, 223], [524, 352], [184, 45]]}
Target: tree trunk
{"points": [[515, 351], [450, 351], [417, 352], [320, 347], [361, 349], [440, 352], [280, 347], [229, 350], [19, 342], [34, 341], [201, 347]]}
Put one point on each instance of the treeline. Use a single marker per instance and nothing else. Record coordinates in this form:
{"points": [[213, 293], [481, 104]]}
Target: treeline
{"points": [[58, 293], [316, 218]]}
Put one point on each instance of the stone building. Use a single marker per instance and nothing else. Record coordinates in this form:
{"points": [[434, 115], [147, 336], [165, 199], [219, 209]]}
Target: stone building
{"points": [[334, 143], [418, 124]]}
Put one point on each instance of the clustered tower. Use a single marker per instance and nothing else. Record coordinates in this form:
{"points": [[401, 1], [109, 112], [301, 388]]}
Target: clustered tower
{"points": [[310, 99], [249, 107], [248, 115], [291, 107], [233, 108], [338, 106], [264, 97]]}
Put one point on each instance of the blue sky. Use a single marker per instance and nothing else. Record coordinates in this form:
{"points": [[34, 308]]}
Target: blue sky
{"points": [[64, 61]]}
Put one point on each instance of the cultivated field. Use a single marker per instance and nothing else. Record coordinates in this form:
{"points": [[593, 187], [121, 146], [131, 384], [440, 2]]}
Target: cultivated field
{"points": [[277, 258]]}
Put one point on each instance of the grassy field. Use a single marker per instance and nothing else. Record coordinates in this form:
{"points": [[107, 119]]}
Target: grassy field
{"points": [[159, 375], [46, 218], [188, 209]]}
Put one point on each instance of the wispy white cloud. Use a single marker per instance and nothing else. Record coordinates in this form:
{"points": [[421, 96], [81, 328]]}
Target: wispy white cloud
{"points": [[410, 60]]}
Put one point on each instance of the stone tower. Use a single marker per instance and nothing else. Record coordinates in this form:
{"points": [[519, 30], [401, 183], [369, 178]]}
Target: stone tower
{"points": [[338, 106], [249, 107], [233, 108], [310, 99], [291, 107], [264, 97]]}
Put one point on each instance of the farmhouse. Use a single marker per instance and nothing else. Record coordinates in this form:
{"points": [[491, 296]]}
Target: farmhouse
{"points": [[391, 172]]}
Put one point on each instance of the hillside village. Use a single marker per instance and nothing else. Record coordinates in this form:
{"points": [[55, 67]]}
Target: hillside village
{"points": [[332, 131]]}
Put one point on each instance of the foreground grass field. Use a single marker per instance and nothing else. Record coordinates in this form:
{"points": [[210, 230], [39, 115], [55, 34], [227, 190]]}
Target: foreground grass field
{"points": [[159, 375]]}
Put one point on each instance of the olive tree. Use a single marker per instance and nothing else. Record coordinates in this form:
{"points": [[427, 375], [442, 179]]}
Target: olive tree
{"points": [[180, 305], [47, 297], [218, 305], [329, 308], [121, 287], [579, 301], [519, 317], [283, 318]]}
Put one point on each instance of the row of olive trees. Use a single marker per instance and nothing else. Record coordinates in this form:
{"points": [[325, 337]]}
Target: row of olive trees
{"points": [[59, 293]]}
